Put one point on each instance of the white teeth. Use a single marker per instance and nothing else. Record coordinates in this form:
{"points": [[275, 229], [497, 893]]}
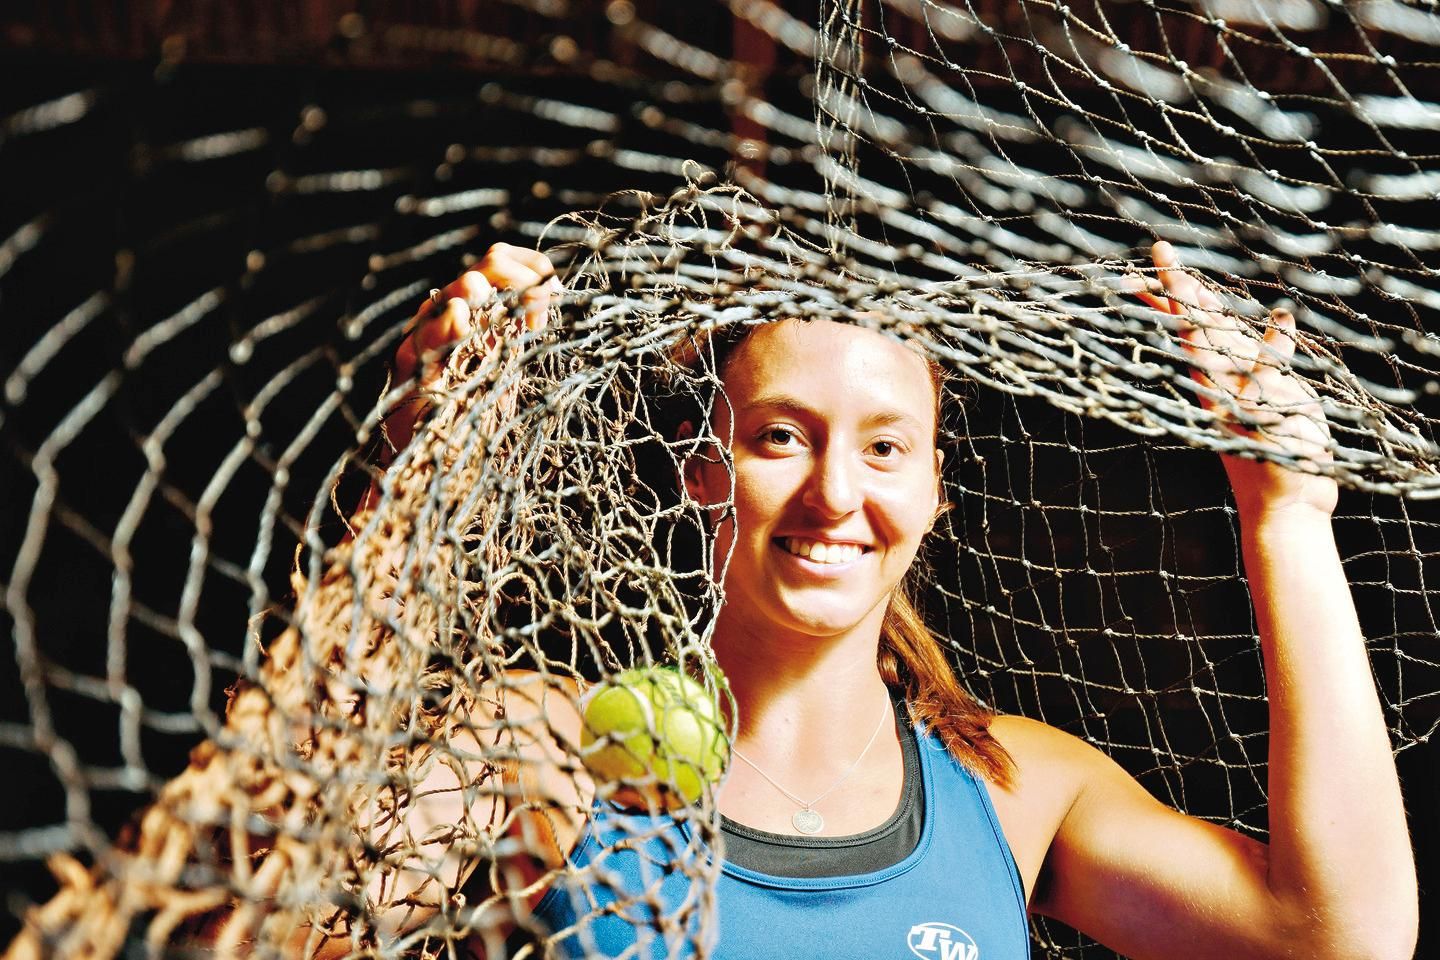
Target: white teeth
{"points": [[823, 552]]}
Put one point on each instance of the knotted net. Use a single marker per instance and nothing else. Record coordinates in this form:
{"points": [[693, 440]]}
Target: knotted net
{"points": [[229, 688]]}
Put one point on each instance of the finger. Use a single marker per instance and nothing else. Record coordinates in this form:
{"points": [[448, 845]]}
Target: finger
{"points": [[454, 325], [1180, 291], [1146, 290], [450, 324], [533, 259], [1158, 302], [1278, 382], [1221, 342], [432, 334], [1183, 289], [1280, 334], [545, 294], [471, 286], [426, 311], [1153, 291], [434, 340], [1210, 366], [1182, 286], [1224, 336], [1174, 279], [508, 273]]}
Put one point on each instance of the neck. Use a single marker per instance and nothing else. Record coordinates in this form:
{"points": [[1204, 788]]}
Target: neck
{"points": [[802, 697]]}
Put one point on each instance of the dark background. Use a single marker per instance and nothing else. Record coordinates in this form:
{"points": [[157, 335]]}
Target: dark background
{"points": [[118, 209]]}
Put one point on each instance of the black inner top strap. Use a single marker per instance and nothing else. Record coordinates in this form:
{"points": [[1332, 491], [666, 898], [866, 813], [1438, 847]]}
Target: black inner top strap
{"points": [[785, 855]]}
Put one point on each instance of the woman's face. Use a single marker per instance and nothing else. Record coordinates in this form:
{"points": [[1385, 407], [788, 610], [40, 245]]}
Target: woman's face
{"points": [[837, 476]]}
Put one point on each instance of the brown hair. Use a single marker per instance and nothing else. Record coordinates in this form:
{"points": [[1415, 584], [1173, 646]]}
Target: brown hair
{"points": [[910, 657]]}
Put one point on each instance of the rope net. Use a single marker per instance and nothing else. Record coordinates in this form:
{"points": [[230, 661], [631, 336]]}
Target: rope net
{"points": [[247, 716]]}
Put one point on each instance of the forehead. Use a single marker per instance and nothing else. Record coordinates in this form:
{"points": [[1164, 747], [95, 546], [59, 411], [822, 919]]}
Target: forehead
{"points": [[839, 365]]}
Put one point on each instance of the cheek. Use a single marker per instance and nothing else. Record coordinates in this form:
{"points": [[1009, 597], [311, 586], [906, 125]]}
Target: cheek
{"points": [[760, 494], [904, 520], [906, 506]]}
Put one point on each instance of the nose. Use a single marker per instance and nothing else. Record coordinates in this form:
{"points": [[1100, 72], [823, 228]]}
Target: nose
{"points": [[834, 487]]}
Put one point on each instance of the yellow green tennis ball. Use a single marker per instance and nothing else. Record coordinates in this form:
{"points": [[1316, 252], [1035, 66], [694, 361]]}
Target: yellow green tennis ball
{"points": [[654, 721]]}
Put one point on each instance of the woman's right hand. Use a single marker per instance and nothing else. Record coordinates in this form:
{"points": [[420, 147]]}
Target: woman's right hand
{"points": [[450, 315]]}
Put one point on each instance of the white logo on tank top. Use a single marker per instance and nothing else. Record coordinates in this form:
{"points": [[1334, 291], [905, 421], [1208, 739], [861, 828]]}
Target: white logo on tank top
{"points": [[941, 941]]}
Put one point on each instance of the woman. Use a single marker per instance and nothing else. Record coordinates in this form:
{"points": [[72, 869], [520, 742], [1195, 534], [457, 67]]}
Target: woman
{"points": [[836, 482]]}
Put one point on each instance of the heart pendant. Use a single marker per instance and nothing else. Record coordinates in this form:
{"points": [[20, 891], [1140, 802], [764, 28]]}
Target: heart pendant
{"points": [[808, 821]]}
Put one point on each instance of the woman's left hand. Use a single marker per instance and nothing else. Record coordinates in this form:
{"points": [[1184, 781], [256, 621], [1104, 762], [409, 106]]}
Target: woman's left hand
{"points": [[1248, 383], [1336, 879]]}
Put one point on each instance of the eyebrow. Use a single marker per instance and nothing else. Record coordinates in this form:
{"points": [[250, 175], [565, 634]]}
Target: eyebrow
{"points": [[788, 404]]}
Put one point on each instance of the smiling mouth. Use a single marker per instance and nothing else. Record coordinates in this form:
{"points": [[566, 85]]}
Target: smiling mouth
{"points": [[817, 551]]}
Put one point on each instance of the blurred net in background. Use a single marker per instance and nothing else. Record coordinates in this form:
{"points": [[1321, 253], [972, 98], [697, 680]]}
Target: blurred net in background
{"points": [[217, 223]]}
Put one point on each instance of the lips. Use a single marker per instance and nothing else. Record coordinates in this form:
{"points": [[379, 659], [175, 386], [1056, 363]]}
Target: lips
{"points": [[823, 552]]}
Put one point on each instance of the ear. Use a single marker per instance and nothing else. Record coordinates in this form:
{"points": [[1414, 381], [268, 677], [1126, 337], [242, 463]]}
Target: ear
{"points": [[941, 504], [691, 477]]}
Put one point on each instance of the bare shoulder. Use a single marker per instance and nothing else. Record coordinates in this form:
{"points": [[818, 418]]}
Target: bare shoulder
{"points": [[1041, 740], [1048, 761], [1052, 769]]}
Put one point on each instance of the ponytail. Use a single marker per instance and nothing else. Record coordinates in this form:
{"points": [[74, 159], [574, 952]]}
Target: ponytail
{"points": [[911, 659]]}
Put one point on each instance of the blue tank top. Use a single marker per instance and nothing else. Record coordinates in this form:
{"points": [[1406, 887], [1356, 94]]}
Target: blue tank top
{"points": [[957, 896]]}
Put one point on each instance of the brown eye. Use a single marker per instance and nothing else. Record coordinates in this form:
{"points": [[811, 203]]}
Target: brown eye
{"points": [[778, 435], [883, 447]]}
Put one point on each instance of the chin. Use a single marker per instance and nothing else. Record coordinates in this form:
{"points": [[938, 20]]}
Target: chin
{"points": [[764, 596], [817, 617]]}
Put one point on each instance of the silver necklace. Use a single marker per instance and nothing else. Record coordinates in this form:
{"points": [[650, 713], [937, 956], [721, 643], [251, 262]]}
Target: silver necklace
{"points": [[806, 819]]}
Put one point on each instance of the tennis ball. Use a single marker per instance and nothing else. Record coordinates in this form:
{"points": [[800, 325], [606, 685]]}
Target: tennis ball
{"points": [[654, 721]]}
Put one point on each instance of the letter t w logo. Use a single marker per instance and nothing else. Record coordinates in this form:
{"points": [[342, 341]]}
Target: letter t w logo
{"points": [[941, 941]]}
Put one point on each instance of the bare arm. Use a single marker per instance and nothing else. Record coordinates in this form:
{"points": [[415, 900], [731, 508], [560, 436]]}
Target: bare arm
{"points": [[462, 799], [451, 315], [204, 814], [1338, 877], [503, 801], [463, 796]]}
